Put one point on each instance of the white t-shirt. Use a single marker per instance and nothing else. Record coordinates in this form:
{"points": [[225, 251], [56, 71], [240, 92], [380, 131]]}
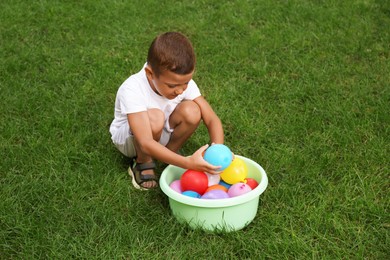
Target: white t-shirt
{"points": [[136, 95]]}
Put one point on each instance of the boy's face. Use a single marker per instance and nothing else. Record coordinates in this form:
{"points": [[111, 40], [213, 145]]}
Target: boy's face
{"points": [[168, 84]]}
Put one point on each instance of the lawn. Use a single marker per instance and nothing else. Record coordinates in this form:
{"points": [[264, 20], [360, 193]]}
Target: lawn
{"points": [[302, 88]]}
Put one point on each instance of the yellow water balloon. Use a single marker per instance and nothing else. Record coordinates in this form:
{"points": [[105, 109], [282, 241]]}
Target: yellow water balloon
{"points": [[236, 172]]}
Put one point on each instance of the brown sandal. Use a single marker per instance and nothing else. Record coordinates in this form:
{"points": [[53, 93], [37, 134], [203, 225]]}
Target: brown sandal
{"points": [[138, 178]]}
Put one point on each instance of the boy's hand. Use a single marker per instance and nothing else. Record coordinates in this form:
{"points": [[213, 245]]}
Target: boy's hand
{"points": [[198, 163]]}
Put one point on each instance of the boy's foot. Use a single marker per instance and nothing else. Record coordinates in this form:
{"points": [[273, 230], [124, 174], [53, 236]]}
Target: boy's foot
{"points": [[143, 177]]}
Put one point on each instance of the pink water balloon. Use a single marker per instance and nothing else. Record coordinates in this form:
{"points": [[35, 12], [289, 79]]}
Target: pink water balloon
{"points": [[176, 186], [238, 189], [213, 178]]}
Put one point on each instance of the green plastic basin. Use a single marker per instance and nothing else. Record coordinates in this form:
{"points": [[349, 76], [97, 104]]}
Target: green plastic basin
{"points": [[230, 214]]}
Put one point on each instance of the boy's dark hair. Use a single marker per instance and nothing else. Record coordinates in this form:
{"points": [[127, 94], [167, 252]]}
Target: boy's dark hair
{"points": [[171, 51]]}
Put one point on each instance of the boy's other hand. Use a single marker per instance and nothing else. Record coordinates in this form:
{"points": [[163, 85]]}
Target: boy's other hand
{"points": [[198, 163]]}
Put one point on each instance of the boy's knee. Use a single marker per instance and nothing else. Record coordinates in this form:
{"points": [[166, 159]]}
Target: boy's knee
{"points": [[190, 112], [157, 119]]}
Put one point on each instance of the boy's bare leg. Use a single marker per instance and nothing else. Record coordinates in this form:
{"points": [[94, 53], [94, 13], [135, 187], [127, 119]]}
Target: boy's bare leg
{"points": [[184, 120], [156, 118]]}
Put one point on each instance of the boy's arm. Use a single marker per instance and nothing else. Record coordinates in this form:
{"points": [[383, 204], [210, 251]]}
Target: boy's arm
{"points": [[140, 127], [211, 120]]}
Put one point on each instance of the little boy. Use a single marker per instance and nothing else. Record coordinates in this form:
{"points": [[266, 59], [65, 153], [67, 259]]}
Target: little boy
{"points": [[159, 108]]}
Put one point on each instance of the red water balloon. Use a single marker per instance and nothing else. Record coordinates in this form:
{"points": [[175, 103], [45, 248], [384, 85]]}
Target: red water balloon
{"points": [[252, 183], [195, 181]]}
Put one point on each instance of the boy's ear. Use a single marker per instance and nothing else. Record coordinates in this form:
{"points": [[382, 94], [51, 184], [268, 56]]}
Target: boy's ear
{"points": [[149, 72]]}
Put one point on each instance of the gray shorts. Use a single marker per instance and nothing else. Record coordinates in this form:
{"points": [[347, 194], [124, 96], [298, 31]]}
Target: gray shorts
{"points": [[124, 140]]}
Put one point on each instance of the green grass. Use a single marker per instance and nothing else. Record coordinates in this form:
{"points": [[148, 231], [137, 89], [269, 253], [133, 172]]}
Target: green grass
{"points": [[302, 87]]}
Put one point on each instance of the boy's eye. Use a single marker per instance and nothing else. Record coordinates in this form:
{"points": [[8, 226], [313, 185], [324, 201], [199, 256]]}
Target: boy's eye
{"points": [[176, 85]]}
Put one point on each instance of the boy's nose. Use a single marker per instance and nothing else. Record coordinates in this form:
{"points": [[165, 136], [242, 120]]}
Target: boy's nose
{"points": [[179, 91]]}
